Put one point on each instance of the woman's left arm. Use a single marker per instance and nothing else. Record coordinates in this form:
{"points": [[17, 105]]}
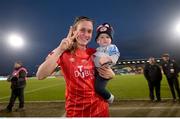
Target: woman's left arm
{"points": [[106, 72]]}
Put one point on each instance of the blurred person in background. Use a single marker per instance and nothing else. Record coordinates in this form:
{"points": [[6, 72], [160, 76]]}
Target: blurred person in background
{"points": [[152, 73], [171, 70], [18, 83]]}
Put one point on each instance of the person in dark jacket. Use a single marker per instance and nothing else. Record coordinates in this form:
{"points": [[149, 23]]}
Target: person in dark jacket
{"points": [[152, 73], [171, 70], [18, 83]]}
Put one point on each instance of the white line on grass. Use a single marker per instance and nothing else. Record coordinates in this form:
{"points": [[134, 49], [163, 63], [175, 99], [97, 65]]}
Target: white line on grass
{"points": [[140, 99], [142, 108], [31, 91], [40, 101]]}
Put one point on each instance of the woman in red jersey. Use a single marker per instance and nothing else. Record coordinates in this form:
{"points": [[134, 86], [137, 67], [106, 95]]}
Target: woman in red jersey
{"points": [[77, 65]]}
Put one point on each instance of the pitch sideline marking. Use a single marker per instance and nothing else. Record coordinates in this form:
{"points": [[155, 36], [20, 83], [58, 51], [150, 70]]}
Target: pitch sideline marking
{"points": [[142, 108]]}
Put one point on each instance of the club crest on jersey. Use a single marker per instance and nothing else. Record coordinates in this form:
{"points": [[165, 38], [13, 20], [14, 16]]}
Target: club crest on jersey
{"points": [[72, 60], [84, 61]]}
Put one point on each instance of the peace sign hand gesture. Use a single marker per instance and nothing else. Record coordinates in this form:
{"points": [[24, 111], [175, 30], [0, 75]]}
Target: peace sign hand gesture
{"points": [[67, 42]]}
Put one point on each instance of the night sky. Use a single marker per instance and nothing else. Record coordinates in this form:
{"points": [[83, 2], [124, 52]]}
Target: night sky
{"points": [[143, 28]]}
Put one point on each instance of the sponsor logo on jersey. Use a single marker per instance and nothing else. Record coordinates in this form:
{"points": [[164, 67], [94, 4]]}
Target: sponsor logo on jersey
{"points": [[84, 71]]}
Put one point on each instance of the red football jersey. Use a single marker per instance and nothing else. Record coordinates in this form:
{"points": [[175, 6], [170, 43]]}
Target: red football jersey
{"points": [[81, 98]]}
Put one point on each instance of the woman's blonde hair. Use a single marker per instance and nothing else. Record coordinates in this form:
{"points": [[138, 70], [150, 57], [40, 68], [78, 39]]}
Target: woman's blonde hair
{"points": [[76, 22]]}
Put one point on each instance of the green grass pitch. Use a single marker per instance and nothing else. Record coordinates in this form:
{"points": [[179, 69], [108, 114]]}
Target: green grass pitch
{"points": [[52, 89]]}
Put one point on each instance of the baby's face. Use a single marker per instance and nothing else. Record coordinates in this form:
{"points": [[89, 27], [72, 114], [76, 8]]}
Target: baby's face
{"points": [[104, 39]]}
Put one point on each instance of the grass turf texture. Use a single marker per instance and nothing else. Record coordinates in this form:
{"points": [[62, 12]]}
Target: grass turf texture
{"points": [[122, 86]]}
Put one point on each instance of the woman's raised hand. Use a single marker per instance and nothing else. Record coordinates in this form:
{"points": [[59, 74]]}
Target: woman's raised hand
{"points": [[67, 42]]}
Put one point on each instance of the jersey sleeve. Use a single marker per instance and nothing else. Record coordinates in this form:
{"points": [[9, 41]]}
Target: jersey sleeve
{"points": [[60, 60]]}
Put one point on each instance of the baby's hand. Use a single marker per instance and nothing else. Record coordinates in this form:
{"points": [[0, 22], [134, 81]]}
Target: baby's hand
{"points": [[104, 59]]}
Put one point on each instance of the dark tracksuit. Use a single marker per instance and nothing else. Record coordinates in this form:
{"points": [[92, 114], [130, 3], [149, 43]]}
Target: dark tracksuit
{"points": [[171, 70], [17, 89], [154, 76]]}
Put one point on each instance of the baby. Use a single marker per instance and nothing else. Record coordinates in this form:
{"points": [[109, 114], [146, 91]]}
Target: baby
{"points": [[106, 54]]}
